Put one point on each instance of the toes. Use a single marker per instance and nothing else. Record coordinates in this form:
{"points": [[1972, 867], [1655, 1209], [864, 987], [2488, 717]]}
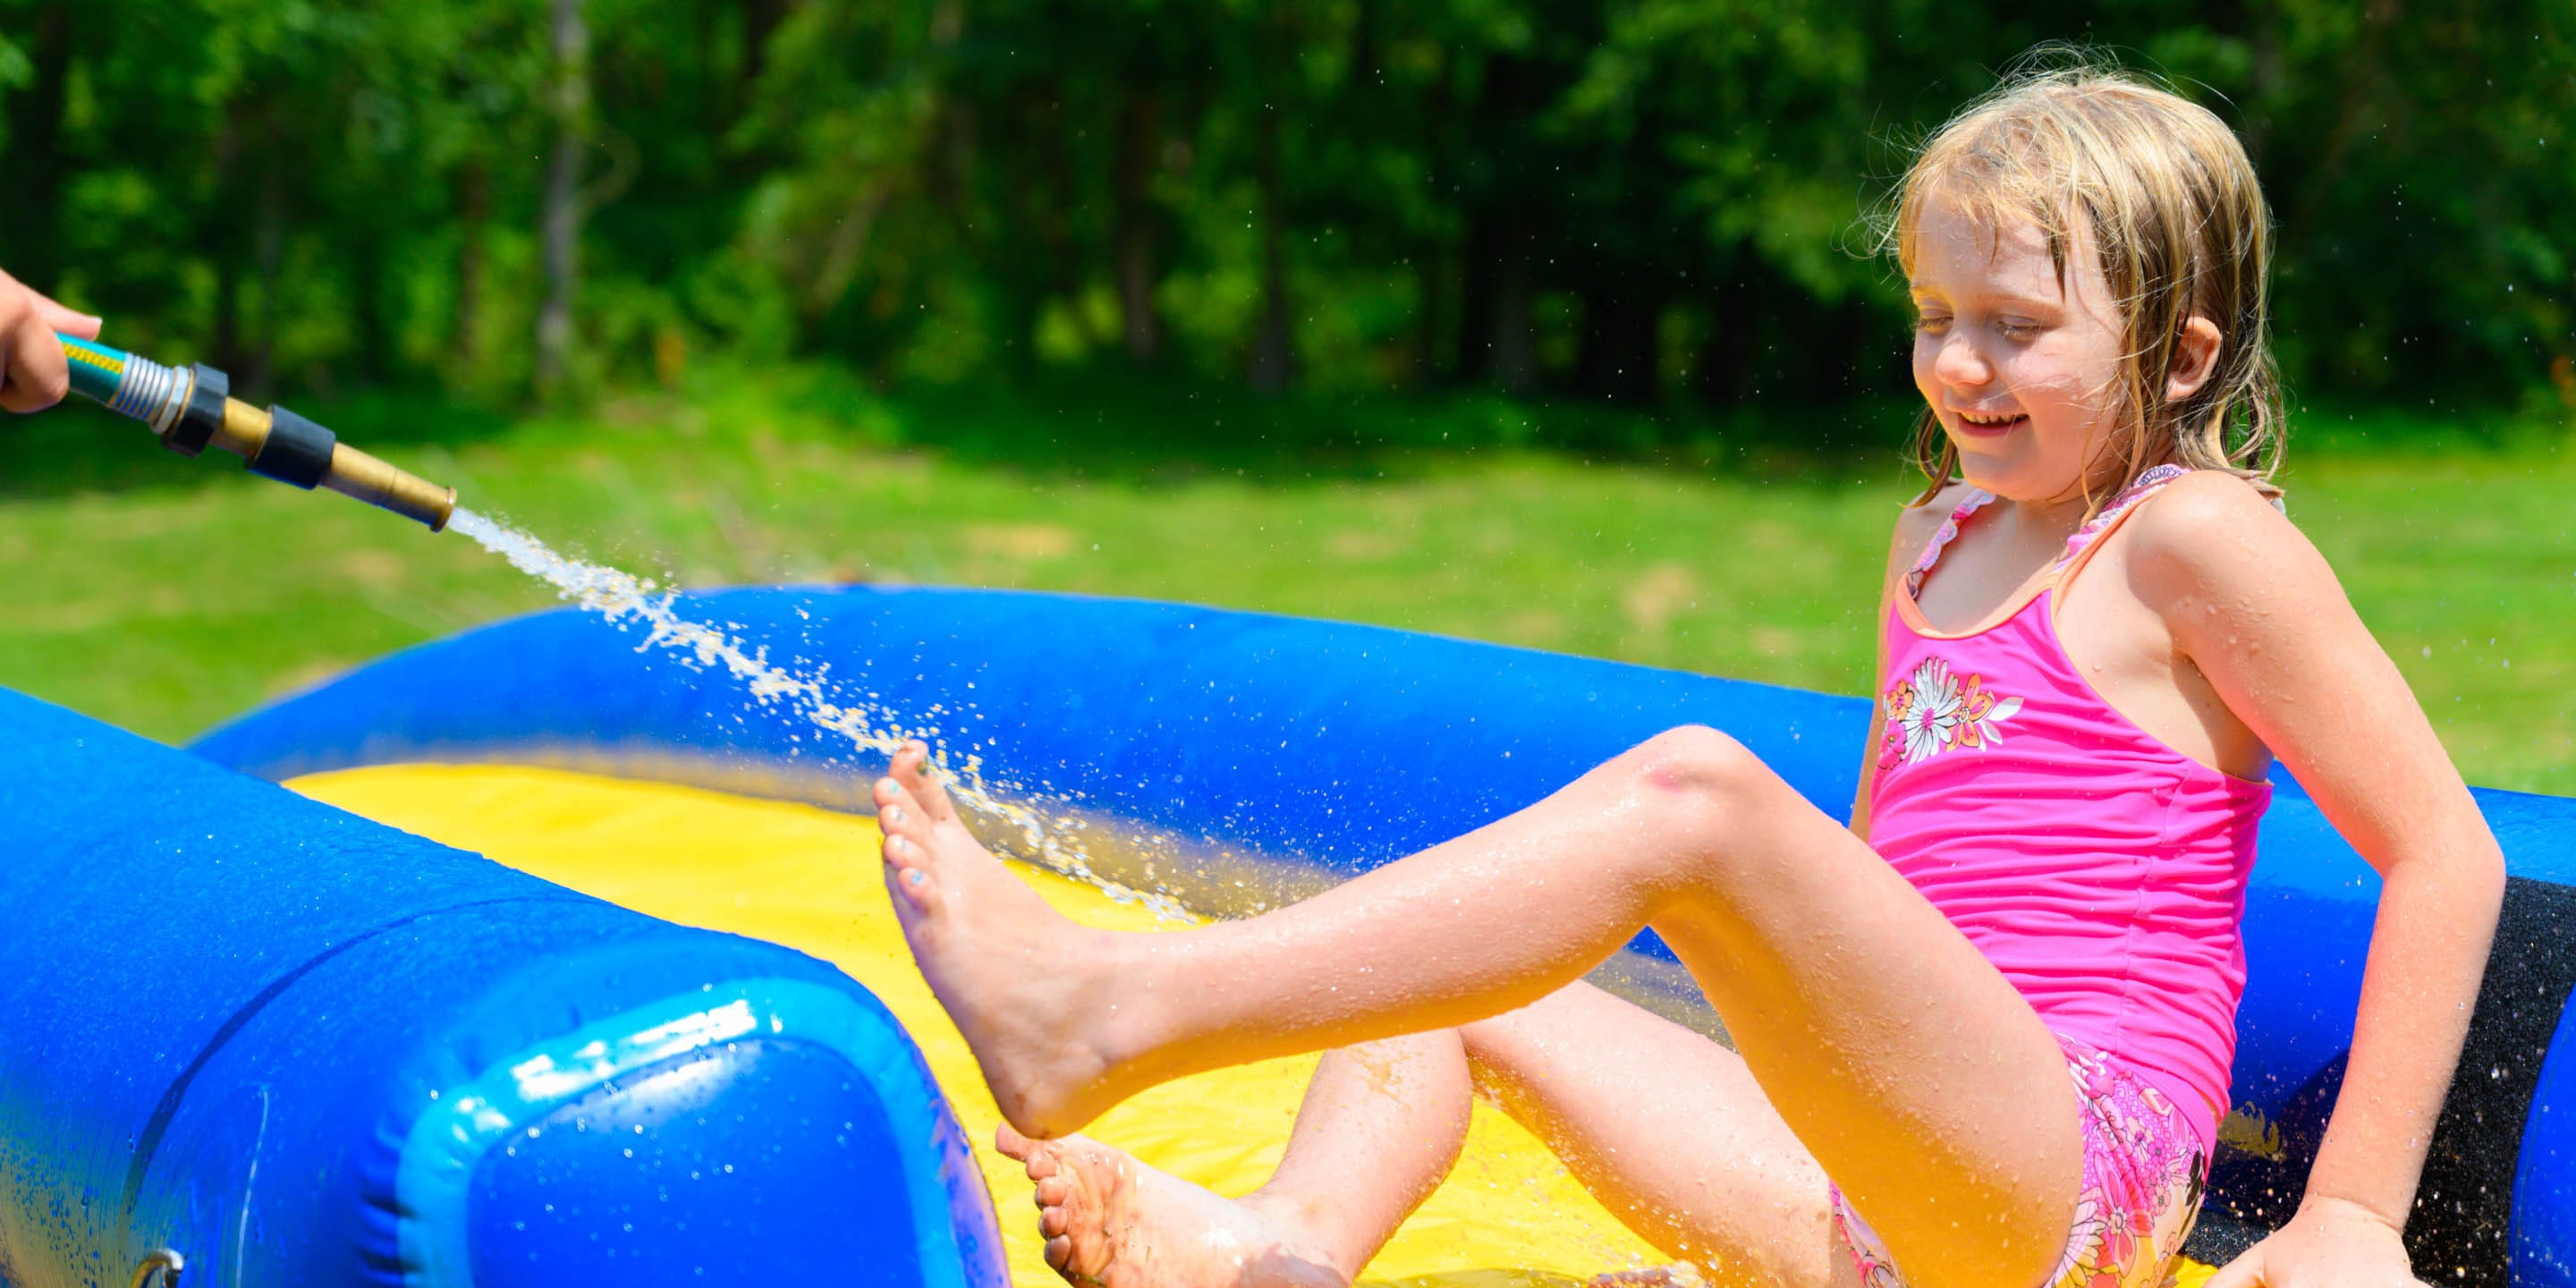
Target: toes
{"points": [[905, 878], [898, 814], [1055, 1221], [1059, 1251], [912, 768], [1035, 1157], [1013, 1145]]}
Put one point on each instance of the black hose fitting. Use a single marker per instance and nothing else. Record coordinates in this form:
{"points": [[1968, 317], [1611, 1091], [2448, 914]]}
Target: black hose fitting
{"points": [[297, 451], [204, 414]]}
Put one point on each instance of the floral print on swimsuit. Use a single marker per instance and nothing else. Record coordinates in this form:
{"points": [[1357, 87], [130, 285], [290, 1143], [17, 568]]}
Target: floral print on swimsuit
{"points": [[2143, 1179], [1930, 710]]}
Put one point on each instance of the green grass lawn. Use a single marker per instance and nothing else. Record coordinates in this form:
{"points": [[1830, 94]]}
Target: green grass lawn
{"points": [[165, 595]]}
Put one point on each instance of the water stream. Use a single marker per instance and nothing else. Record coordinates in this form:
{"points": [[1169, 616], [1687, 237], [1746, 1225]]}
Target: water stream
{"points": [[629, 601]]}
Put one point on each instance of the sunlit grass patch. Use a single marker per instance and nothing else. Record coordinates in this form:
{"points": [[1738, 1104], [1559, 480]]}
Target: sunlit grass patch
{"points": [[165, 594]]}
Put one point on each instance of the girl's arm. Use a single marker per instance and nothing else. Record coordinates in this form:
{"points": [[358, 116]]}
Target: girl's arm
{"points": [[2253, 605]]}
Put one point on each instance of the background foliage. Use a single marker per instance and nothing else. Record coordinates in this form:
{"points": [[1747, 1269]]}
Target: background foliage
{"points": [[1649, 201], [1230, 301]]}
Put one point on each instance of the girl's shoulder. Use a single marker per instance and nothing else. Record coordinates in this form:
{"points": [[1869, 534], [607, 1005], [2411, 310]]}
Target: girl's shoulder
{"points": [[1926, 516], [1917, 522], [2212, 514], [2211, 529]]}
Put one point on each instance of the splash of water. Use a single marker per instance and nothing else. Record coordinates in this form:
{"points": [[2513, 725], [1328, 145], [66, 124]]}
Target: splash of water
{"points": [[627, 600]]}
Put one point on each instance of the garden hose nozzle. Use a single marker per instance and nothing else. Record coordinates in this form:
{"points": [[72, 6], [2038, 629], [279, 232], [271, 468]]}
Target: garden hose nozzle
{"points": [[193, 408]]}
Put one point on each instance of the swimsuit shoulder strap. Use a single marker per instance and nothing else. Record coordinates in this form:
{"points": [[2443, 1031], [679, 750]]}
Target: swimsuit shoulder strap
{"points": [[2144, 486], [1977, 499]]}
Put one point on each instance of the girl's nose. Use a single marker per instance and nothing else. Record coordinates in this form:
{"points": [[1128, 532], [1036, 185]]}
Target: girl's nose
{"points": [[1959, 363]]}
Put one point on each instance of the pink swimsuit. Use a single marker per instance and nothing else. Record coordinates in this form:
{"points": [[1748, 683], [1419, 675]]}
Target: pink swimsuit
{"points": [[2102, 871]]}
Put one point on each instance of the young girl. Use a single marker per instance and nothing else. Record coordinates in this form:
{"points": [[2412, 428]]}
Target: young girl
{"points": [[2096, 638]]}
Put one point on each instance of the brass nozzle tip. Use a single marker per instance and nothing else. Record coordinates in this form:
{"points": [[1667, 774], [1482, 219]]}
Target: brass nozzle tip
{"points": [[356, 474]]}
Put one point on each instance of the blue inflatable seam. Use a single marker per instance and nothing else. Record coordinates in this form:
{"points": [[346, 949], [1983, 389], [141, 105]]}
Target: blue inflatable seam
{"points": [[148, 1142]]}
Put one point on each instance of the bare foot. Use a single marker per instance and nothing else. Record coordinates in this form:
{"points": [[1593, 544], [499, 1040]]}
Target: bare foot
{"points": [[1029, 990], [1114, 1222]]}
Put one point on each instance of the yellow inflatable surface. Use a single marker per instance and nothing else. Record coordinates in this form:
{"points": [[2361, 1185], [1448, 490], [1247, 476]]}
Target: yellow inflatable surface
{"points": [[807, 878]]}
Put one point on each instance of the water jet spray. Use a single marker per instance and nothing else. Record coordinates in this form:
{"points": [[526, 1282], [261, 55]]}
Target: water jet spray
{"points": [[191, 409]]}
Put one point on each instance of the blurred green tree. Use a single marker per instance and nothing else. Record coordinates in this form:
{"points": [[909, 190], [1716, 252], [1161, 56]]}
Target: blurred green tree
{"points": [[1640, 200]]}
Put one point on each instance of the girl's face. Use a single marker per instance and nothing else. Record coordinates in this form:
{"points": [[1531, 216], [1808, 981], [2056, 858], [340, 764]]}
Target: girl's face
{"points": [[2020, 364]]}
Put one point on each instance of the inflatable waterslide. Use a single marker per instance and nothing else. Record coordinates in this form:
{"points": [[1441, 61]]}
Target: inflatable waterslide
{"points": [[254, 1039]]}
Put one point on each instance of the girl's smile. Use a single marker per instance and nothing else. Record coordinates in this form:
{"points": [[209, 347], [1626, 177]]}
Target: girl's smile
{"points": [[2017, 361], [1989, 424], [2021, 360]]}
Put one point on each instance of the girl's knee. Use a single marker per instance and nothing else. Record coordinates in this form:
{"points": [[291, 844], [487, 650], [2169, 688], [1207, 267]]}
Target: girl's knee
{"points": [[1697, 764]]}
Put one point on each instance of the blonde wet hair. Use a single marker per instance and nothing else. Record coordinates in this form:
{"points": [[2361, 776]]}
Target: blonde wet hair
{"points": [[2183, 231]]}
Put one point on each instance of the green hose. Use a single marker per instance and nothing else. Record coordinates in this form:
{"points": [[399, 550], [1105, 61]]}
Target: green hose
{"points": [[193, 409], [97, 371]]}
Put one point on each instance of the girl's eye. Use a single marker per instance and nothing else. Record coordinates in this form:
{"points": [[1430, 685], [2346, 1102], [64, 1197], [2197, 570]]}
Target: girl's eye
{"points": [[1930, 323], [2017, 328]]}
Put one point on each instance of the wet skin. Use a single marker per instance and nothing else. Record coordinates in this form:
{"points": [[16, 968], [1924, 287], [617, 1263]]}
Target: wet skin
{"points": [[1913, 1073], [1874, 1043]]}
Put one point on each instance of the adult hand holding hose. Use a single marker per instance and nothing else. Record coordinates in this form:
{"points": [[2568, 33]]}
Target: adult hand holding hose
{"points": [[34, 374], [47, 350]]}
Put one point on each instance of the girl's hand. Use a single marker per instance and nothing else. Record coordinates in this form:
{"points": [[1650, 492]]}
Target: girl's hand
{"points": [[33, 372], [2331, 1243]]}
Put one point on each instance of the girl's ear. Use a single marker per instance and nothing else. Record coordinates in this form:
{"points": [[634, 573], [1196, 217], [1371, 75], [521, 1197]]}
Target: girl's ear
{"points": [[2195, 357]]}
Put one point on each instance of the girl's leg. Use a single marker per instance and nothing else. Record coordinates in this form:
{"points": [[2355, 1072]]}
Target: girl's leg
{"points": [[1380, 1126], [1669, 1131], [1899, 1056], [1663, 1126]]}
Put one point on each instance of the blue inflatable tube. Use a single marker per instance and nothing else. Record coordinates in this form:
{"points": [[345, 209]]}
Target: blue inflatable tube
{"points": [[303, 1049], [1235, 760]]}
